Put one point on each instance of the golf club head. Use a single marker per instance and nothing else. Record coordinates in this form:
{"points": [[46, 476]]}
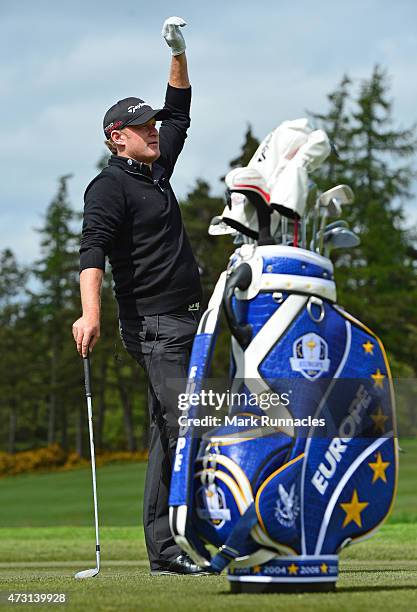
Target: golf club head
{"points": [[330, 204], [342, 193], [90, 573], [239, 239], [340, 238], [330, 226], [334, 208], [339, 223]]}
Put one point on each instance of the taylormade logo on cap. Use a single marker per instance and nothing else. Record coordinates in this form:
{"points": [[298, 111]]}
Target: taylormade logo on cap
{"points": [[132, 109]]}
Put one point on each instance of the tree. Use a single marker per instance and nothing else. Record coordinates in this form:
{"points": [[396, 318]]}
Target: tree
{"points": [[210, 252], [58, 273], [13, 356], [250, 144], [377, 281], [337, 125]]}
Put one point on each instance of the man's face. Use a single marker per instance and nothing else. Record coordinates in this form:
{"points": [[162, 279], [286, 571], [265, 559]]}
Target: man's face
{"points": [[140, 142]]}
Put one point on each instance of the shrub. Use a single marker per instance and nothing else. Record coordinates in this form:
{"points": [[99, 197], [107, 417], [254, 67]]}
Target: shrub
{"points": [[53, 458]]}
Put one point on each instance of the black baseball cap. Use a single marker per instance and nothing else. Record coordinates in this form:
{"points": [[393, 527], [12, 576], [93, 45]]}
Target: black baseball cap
{"points": [[131, 111]]}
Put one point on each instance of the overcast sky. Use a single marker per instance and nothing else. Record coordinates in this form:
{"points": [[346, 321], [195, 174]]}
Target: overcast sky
{"points": [[63, 64]]}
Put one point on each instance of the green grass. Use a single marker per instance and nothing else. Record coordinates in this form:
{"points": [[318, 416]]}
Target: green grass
{"points": [[65, 498], [45, 560], [46, 535], [405, 508]]}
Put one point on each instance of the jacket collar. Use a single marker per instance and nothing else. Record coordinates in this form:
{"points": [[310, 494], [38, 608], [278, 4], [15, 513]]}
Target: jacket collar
{"points": [[134, 167], [130, 165]]}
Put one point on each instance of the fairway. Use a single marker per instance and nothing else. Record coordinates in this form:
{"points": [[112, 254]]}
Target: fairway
{"points": [[47, 536], [45, 560]]}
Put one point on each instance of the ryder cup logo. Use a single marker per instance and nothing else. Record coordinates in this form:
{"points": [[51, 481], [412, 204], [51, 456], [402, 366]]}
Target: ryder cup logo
{"points": [[310, 356], [211, 505], [287, 507]]}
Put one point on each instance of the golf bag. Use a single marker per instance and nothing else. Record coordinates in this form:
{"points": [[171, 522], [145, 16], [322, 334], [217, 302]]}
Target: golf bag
{"points": [[304, 462]]}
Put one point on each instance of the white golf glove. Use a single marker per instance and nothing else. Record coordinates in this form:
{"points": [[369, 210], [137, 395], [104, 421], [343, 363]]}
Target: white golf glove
{"points": [[172, 34]]}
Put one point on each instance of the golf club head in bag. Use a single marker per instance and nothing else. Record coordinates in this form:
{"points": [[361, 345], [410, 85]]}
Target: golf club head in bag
{"points": [[316, 235], [343, 194], [329, 204], [338, 223], [280, 488], [339, 238], [347, 238]]}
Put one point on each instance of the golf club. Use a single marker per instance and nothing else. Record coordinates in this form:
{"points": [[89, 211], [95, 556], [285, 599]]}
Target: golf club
{"points": [[303, 229], [338, 223], [284, 229], [90, 573], [339, 238], [329, 226], [332, 209], [330, 204], [309, 212]]}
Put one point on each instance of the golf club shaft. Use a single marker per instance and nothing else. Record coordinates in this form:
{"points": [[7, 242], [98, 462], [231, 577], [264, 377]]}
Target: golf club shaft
{"points": [[87, 379], [321, 231], [314, 230], [284, 229], [304, 233]]}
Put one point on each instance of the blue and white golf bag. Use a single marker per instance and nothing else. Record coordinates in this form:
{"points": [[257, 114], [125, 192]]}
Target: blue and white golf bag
{"points": [[305, 462]]}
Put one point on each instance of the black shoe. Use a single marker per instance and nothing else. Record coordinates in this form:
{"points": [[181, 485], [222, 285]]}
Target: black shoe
{"points": [[180, 566]]}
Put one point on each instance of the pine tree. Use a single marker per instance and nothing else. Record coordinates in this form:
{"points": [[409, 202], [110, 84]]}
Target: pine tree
{"points": [[376, 281], [14, 354], [382, 185], [337, 125], [250, 144], [58, 273]]}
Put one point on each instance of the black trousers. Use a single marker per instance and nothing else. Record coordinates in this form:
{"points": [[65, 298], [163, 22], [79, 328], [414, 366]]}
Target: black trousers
{"points": [[161, 344]]}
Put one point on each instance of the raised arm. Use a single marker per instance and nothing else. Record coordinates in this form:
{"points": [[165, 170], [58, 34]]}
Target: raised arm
{"points": [[171, 31], [178, 74], [173, 131]]}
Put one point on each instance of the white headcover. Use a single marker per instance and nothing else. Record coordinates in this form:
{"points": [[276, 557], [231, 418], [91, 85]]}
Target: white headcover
{"points": [[242, 216], [289, 183], [283, 159]]}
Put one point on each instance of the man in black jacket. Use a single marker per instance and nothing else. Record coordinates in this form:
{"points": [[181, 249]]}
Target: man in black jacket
{"points": [[131, 215]]}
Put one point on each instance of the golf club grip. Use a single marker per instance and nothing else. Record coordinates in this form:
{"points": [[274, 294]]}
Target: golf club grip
{"points": [[87, 375]]}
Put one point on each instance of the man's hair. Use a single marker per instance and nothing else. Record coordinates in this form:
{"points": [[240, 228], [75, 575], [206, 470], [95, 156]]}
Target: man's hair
{"points": [[111, 146]]}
